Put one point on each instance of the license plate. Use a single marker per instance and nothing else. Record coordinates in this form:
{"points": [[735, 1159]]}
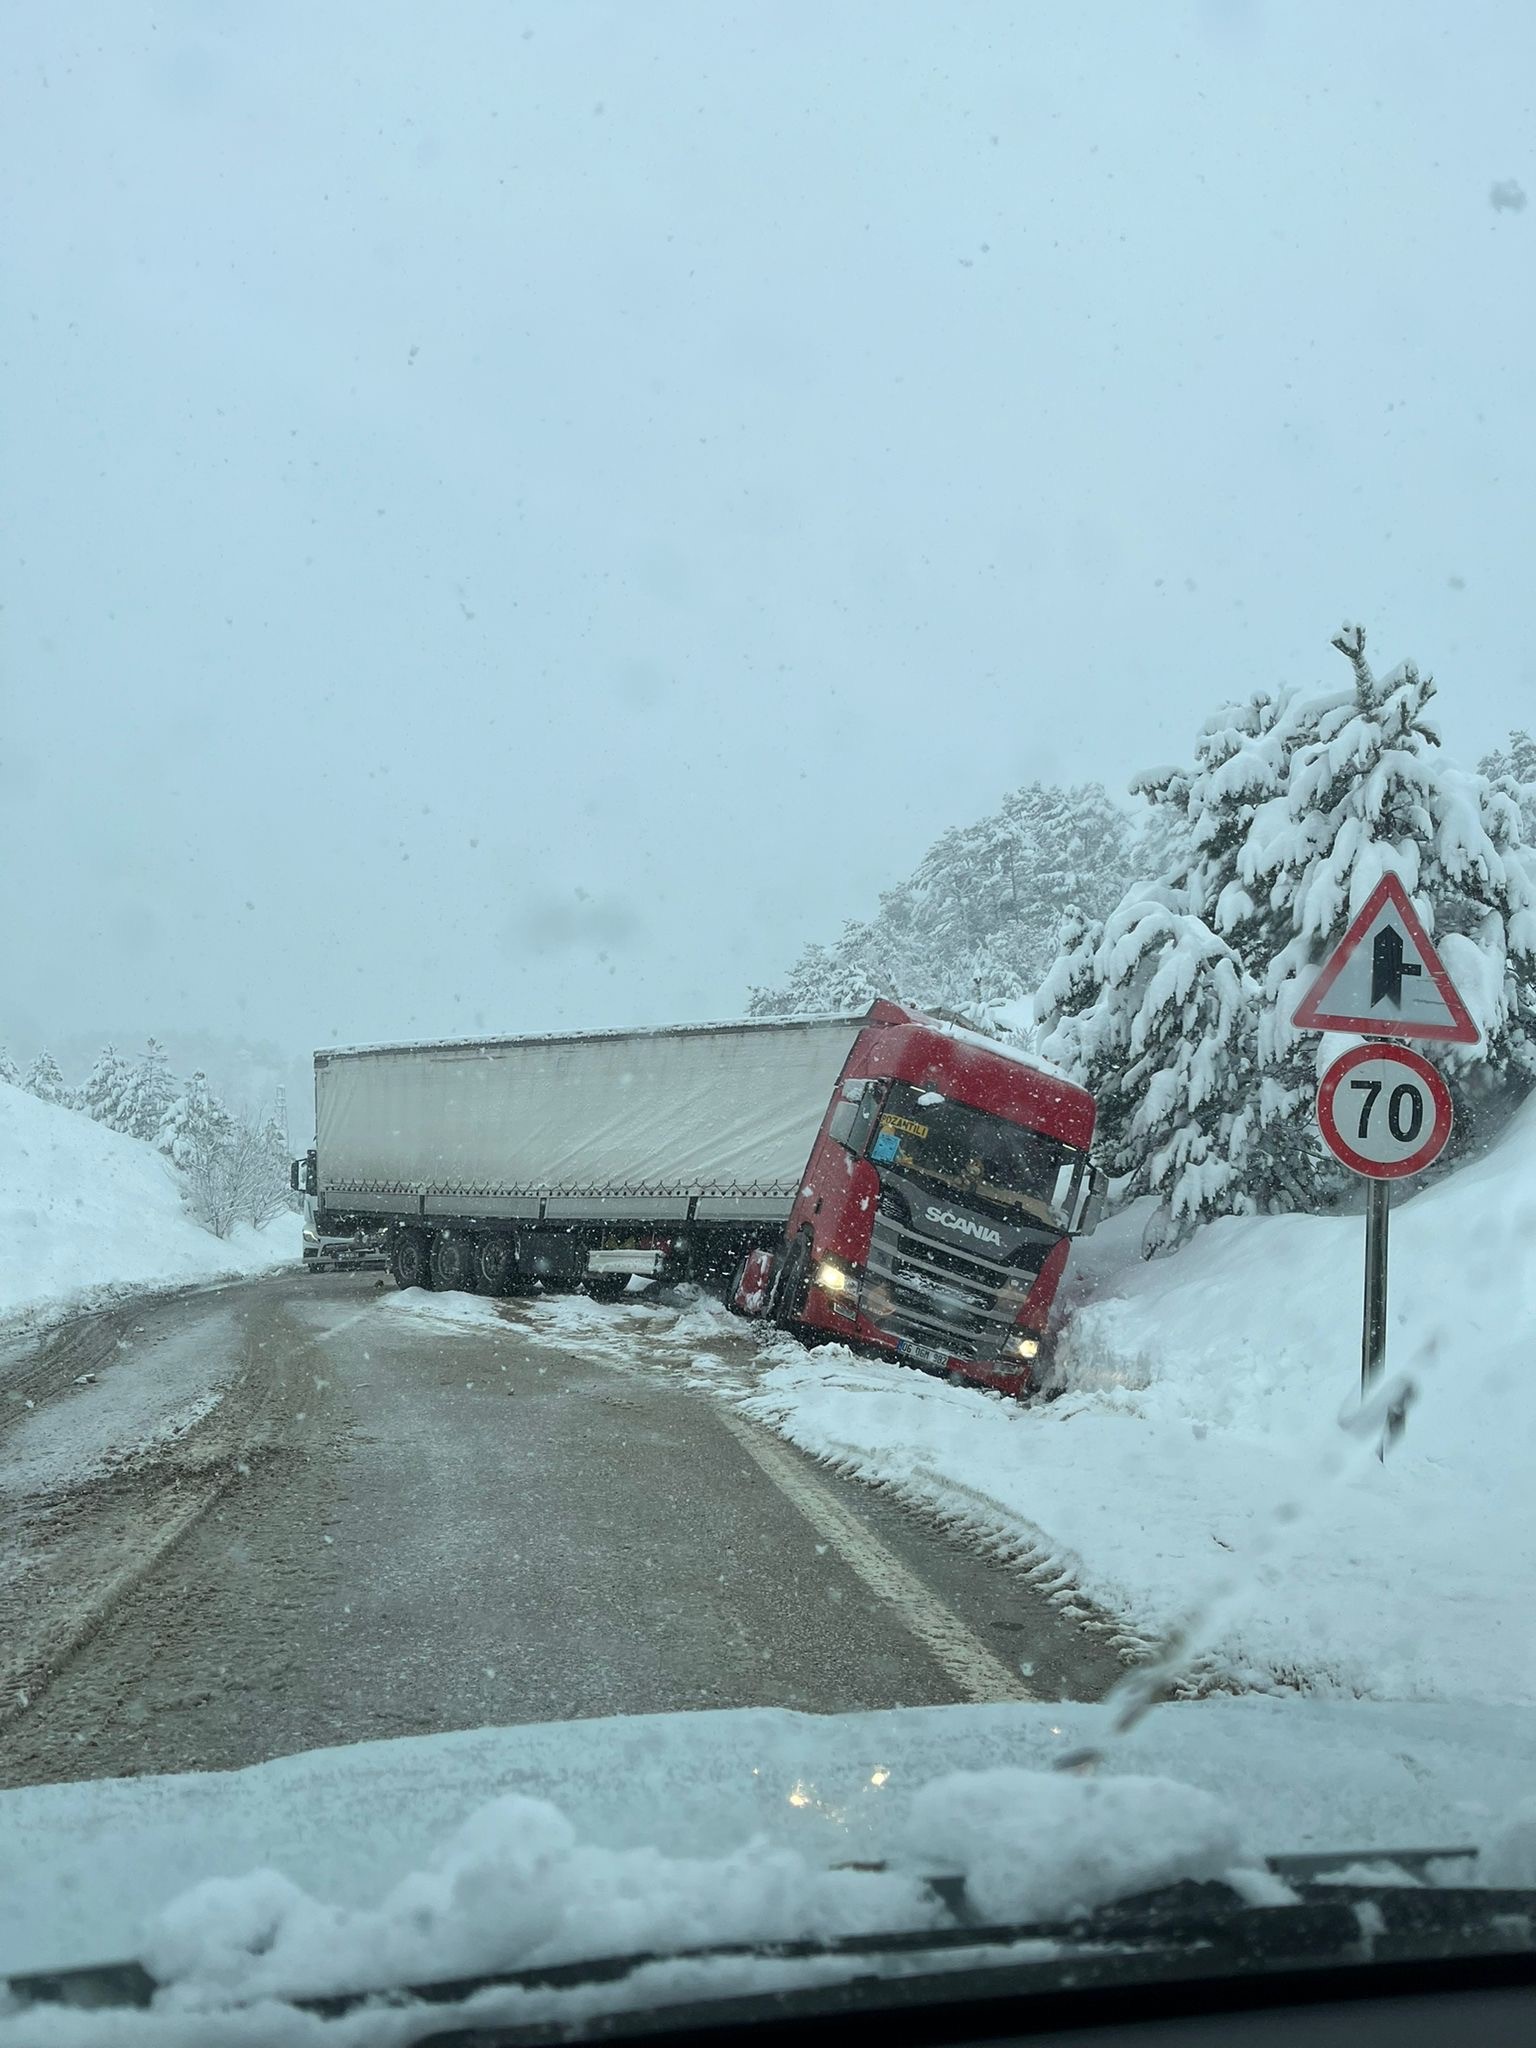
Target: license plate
{"points": [[924, 1354]]}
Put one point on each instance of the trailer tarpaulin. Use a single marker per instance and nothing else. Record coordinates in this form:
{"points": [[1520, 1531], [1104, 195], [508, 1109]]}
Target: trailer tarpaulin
{"points": [[710, 1110]]}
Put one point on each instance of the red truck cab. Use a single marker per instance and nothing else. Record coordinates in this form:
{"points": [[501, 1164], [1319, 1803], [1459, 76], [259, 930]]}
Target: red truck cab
{"points": [[939, 1202]]}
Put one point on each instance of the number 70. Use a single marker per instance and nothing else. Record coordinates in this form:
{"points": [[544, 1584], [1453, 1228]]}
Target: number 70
{"points": [[1405, 1109]]}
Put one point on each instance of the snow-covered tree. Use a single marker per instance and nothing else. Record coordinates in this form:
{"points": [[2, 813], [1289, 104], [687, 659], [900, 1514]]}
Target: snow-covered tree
{"points": [[46, 1082], [1241, 772], [193, 1121], [213, 1152], [149, 1094], [1513, 768], [974, 927], [9, 1071], [107, 1090], [1155, 1015], [266, 1191], [1178, 1012]]}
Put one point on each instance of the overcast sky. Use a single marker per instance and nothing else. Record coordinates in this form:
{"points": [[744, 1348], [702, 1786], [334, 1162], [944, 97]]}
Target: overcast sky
{"points": [[516, 516]]}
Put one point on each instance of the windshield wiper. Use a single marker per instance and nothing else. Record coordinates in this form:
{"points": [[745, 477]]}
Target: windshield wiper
{"points": [[1339, 1914]]}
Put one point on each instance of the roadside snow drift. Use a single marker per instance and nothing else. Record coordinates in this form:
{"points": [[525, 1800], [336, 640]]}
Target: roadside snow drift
{"points": [[86, 1215], [1208, 1463]]}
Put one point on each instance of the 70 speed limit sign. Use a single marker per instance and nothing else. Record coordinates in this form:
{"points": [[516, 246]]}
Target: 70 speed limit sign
{"points": [[1385, 1111]]}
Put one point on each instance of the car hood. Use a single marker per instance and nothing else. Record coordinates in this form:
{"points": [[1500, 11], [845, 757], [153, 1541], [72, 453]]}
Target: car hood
{"points": [[84, 1866]]}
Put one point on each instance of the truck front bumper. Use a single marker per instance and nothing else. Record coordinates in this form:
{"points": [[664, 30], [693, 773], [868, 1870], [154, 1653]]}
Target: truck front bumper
{"points": [[1004, 1375]]}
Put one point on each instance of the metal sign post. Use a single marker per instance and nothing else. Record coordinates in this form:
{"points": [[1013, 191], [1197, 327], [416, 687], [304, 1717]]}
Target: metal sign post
{"points": [[1373, 1343], [1373, 1348]]}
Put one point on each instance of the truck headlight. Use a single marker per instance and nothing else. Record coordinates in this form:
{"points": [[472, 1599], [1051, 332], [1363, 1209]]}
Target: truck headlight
{"points": [[1022, 1345], [840, 1284]]}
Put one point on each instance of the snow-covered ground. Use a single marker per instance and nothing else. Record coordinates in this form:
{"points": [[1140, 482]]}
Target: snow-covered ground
{"points": [[87, 1216], [1202, 1468]]}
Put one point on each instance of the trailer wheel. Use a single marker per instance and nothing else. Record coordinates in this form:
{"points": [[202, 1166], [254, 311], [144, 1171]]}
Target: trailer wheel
{"points": [[492, 1260], [453, 1262], [408, 1259], [794, 1284]]}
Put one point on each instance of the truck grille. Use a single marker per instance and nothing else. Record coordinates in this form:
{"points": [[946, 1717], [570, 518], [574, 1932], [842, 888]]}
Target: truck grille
{"points": [[933, 1293]]}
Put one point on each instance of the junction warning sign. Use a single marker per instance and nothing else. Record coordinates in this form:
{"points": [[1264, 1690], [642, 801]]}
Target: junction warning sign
{"points": [[1384, 979]]}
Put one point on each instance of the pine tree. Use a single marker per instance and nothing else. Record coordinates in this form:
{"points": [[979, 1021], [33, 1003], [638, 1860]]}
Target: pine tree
{"points": [[974, 927], [149, 1094], [1155, 1015], [108, 1086], [1177, 1012], [823, 980], [10, 1073], [267, 1191], [194, 1124], [46, 1082], [1513, 769]]}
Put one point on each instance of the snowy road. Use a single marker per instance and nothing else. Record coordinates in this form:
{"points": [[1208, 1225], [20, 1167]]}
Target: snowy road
{"points": [[393, 1522]]}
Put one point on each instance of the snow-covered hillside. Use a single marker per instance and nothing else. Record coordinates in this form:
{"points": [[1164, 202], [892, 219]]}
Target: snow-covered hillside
{"points": [[1200, 1465], [86, 1214]]}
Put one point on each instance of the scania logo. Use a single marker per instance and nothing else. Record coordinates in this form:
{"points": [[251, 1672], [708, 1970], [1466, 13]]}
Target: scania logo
{"points": [[950, 1220]]}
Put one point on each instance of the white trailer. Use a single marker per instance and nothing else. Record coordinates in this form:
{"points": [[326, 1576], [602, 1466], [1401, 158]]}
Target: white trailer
{"points": [[504, 1162]]}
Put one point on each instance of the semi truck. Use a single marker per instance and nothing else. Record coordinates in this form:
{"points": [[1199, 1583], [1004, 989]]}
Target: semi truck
{"points": [[889, 1177]]}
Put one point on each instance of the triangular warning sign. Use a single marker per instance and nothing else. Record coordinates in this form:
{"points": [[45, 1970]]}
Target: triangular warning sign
{"points": [[1385, 979]]}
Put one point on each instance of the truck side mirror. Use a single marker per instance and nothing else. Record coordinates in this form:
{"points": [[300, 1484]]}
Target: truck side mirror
{"points": [[1096, 1194], [293, 1175]]}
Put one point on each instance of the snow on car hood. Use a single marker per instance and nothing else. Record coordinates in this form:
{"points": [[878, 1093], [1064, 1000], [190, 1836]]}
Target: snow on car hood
{"points": [[87, 1870]]}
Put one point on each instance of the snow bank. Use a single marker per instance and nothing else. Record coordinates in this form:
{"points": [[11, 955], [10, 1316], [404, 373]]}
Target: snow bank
{"points": [[1201, 1465], [86, 1215]]}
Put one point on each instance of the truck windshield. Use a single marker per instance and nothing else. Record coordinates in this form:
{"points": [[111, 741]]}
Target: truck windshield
{"points": [[982, 1158]]}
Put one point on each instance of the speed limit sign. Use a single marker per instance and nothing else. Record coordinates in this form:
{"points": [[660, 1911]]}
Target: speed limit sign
{"points": [[1385, 1111]]}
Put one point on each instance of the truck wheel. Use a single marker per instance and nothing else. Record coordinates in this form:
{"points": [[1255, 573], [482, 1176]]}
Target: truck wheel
{"points": [[453, 1265], [492, 1260], [408, 1260], [794, 1284]]}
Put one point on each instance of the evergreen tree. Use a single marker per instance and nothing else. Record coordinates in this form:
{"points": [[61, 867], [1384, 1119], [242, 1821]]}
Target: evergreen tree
{"points": [[267, 1191], [1154, 1014], [10, 1073], [46, 1082], [108, 1087], [1513, 769], [823, 979], [1177, 1013], [149, 1094], [974, 927], [194, 1125]]}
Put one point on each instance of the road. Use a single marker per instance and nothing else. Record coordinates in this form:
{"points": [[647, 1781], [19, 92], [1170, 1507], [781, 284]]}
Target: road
{"points": [[390, 1523]]}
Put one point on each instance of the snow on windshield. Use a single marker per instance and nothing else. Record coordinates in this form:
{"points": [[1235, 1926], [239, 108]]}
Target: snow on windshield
{"points": [[516, 1886]]}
